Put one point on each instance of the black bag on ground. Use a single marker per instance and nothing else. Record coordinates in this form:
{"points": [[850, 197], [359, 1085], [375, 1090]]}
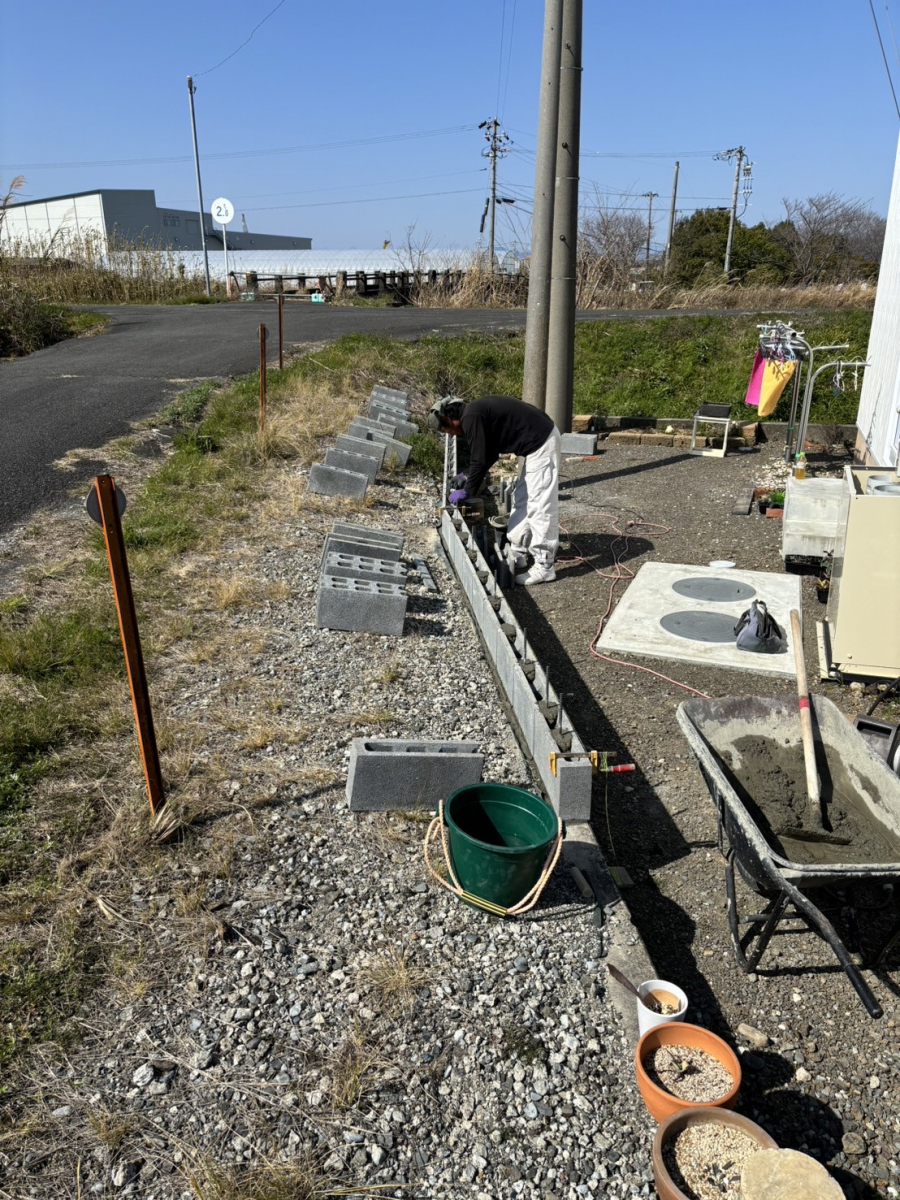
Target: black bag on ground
{"points": [[757, 630]]}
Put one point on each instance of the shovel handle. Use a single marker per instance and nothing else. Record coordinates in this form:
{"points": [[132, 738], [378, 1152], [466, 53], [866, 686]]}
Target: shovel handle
{"points": [[806, 729]]}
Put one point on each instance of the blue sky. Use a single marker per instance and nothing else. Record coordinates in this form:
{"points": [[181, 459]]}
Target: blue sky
{"points": [[337, 95]]}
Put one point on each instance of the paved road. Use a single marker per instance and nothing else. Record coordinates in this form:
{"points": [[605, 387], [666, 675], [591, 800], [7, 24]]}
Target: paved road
{"points": [[81, 393]]}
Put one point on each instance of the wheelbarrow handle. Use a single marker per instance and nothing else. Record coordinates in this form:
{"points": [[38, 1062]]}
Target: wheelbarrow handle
{"points": [[806, 729]]}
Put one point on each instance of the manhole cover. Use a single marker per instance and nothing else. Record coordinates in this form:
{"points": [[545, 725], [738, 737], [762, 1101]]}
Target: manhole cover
{"points": [[700, 626], [714, 591]]}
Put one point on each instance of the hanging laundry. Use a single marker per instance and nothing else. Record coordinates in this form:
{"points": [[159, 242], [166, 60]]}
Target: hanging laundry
{"points": [[755, 384], [767, 381]]}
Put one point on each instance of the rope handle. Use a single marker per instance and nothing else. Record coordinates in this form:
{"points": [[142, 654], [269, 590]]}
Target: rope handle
{"points": [[527, 902]]}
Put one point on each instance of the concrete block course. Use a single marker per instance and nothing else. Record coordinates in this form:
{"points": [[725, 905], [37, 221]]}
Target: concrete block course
{"points": [[578, 443], [392, 773], [361, 606], [362, 566], [333, 481], [361, 445], [347, 460]]}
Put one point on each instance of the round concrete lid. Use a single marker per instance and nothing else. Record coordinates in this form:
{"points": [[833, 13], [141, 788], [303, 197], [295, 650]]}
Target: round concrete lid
{"points": [[700, 626]]}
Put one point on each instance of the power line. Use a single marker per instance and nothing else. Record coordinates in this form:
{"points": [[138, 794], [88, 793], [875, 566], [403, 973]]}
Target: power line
{"points": [[884, 57], [512, 29], [243, 44], [364, 200], [346, 187]]}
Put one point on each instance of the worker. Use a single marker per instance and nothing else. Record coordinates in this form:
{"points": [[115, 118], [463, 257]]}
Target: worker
{"points": [[495, 425]]}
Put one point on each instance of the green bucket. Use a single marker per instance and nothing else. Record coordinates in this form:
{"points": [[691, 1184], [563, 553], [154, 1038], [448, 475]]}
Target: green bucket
{"points": [[499, 839]]}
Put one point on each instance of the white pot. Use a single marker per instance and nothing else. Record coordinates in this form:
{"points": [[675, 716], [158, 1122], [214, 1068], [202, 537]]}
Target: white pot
{"points": [[647, 1018]]}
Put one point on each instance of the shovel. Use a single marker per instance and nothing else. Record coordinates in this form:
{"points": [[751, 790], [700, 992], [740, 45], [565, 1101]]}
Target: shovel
{"points": [[650, 1000], [817, 831]]}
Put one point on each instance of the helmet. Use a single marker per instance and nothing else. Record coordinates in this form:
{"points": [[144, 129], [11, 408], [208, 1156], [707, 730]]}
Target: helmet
{"points": [[440, 412]]}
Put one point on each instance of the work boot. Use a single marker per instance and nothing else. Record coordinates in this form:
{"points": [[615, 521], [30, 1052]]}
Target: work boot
{"points": [[538, 573]]}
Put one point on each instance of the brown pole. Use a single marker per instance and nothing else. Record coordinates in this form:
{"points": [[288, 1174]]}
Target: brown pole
{"points": [[263, 334], [105, 487], [281, 331]]}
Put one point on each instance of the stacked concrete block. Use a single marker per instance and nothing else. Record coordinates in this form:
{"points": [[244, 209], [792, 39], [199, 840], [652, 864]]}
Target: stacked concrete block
{"points": [[392, 421], [347, 460], [361, 606], [392, 395], [361, 445], [334, 481], [366, 547], [362, 566], [394, 774], [351, 529]]}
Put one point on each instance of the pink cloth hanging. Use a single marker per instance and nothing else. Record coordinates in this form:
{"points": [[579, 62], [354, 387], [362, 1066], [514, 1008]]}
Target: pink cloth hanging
{"points": [[754, 387]]}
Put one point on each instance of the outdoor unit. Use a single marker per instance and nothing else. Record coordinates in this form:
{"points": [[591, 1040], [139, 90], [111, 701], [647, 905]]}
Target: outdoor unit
{"points": [[864, 597]]}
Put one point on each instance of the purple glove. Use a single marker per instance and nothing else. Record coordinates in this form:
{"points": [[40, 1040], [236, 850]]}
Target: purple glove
{"points": [[457, 497]]}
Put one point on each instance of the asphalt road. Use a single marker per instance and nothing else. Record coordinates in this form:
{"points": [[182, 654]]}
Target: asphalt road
{"points": [[80, 393]]}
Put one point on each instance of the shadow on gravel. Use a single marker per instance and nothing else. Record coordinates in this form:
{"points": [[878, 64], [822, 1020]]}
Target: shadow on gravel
{"points": [[633, 469], [596, 549]]}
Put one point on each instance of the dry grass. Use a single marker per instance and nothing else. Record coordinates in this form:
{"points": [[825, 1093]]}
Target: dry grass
{"points": [[353, 1071], [303, 1178], [394, 980]]}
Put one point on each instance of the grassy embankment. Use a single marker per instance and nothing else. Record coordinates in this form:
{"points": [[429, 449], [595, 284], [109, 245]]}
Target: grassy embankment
{"points": [[74, 833]]}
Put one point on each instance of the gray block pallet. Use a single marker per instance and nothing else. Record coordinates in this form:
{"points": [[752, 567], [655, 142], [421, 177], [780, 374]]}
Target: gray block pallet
{"points": [[366, 547], [361, 445], [333, 481], [361, 566], [569, 788], [392, 447], [391, 773], [348, 460], [361, 606]]}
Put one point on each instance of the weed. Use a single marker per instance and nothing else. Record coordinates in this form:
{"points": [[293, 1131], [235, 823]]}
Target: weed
{"points": [[110, 1129], [391, 673], [395, 980], [190, 405], [13, 605], [301, 1179], [427, 454], [519, 1042], [353, 1070]]}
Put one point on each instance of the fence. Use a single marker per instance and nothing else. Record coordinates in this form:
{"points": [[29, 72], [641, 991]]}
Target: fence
{"points": [[340, 284]]}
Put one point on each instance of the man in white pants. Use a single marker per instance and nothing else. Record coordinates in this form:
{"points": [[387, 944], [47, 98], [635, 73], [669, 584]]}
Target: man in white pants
{"points": [[496, 425]]}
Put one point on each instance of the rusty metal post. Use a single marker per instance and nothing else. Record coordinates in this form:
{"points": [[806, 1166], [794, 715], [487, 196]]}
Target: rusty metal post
{"points": [[263, 335], [281, 331], [105, 487]]}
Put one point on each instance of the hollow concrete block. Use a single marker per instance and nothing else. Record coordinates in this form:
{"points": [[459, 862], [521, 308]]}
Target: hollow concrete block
{"points": [[361, 445], [401, 428], [339, 543], [374, 423], [347, 460], [351, 529], [363, 566], [333, 481], [391, 773], [393, 395], [361, 606], [392, 448]]}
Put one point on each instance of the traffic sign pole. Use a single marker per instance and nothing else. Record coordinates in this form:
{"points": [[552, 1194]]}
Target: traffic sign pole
{"points": [[223, 212], [227, 276]]}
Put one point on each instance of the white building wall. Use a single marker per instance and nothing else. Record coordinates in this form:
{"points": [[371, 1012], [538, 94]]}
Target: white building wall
{"points": [[36, 224], [878, 421]]}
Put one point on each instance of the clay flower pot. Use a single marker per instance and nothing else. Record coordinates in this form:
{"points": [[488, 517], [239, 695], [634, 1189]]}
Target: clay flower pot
{"points": [[775, 510], [662, 1104], [666, 1187]]}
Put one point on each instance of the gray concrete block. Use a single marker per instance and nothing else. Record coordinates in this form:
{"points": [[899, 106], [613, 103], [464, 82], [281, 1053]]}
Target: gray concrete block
{"points": [[332, 481], [391, 773], [366, 547], [374, 423], [361, 606], [391, 394], [392, 448], [351, 529], [380, 408], [401, 429], [578, 443], [361, 445], [347, 460], [360, 566]]}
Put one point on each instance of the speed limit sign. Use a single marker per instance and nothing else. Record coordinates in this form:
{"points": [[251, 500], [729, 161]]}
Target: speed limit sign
{"points": [[222, 211]]}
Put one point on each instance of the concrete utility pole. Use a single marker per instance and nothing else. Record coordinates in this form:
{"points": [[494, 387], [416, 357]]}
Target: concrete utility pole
{"points": [[650, 197], [739, 152], [190, 84], [671, 222], [538, 315], [564, 259], [496, 147]]}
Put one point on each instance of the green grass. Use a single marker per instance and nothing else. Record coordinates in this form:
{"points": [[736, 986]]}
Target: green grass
{"points": [[28, 324], [190, 405]]}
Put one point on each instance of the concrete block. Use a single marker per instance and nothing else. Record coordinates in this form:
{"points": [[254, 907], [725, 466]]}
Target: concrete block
{"points": [[333, 481], [347, 460], [351, 529], [391, 394], [339, 543], [392, 448], [578, 443], [391, 773], [374, 423], [361, 445], [401, 428], [381, 408], [625, 437], [361, 606], [582, 423], [361, 566]]}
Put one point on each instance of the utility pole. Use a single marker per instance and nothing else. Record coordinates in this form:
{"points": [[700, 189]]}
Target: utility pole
{"points": [[496, 147], [191, 90], [671, 222], [537, 322], [649, 197], [739, 154], [564, 258]]}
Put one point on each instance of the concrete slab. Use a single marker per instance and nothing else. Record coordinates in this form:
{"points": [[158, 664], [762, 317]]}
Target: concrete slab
{"points": [[333, 481], [670, 592], [360, 606], [361, 445], [390, 773], [361, 566], [347, 460]]}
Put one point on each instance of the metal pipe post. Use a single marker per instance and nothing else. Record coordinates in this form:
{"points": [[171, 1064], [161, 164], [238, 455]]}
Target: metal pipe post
{"points": [[281, 331], [564, 260], [263, 335], [534, 380], [190, 84]]}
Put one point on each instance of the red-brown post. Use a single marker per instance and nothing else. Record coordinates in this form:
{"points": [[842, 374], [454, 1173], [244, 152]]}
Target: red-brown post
{"points": [[263, 334], [281, 331], [105, 487]]}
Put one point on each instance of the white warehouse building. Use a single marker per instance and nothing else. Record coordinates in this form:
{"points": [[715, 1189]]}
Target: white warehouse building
{"points": [[130, 215]]}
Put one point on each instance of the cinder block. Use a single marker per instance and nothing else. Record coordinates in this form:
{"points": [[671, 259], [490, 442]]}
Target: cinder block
{"points": [[392, 394], [625, 437], [389, 774], [366, 547], [351, 529], [347, 460], [382, 408], [359, 566], [374, 423], [401, 428], [361, 445], [392, 448], [578, 443], [332, 481], [361, 606]]}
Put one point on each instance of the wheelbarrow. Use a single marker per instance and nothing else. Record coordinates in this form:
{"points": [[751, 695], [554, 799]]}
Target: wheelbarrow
{"points": [[750, 753]]}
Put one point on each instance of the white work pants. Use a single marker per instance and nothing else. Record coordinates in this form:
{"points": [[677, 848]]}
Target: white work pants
{"points": [[534, 520]]}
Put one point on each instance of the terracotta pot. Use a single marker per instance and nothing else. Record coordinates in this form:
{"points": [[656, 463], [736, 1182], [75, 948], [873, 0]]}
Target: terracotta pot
{"points": [[662, 1104], [775, 511], [672, 1126]]}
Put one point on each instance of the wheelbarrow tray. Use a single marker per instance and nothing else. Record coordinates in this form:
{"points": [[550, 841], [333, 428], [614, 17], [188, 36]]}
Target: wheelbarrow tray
{"points": [[713, 729]]}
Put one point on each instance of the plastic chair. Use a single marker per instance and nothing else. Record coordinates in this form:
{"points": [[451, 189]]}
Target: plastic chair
{"points": [[712, 414]]}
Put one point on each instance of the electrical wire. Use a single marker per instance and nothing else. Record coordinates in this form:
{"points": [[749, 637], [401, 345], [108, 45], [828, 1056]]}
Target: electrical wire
{"points": [[500, 64], [512, 28], [884, 57], [361, 200], [243, 44], [346, 187]]}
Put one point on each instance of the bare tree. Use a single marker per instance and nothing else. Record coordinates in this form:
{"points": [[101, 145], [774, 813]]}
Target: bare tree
{"points": [[828, 237], [611, 242]]}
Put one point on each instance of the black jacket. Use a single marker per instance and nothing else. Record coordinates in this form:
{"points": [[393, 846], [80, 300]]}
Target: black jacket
{"points": [[496, 425]]}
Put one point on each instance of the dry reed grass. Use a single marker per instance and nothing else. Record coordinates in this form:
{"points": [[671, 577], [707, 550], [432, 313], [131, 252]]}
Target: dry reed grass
{"points": [[395, 980]]}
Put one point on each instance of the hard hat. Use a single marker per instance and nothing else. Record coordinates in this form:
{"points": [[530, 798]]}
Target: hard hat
{"points": [[437, 414]]}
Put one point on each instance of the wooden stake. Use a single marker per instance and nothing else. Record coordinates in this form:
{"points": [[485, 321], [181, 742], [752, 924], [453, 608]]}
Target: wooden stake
{"points": [[105, 487]]}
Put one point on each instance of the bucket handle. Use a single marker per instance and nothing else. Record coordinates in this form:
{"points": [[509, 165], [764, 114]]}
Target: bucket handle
{"points": [[527, 902]]}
